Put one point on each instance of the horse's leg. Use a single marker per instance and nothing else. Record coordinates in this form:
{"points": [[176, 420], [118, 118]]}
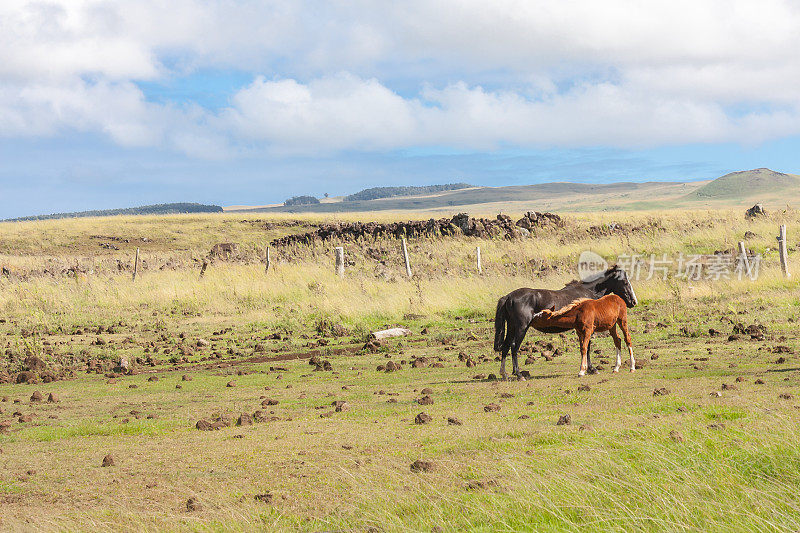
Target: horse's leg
{"points": [[584, 336], [623, 325], [589, 365], [617, 345], [515, 351], [508, 344]]}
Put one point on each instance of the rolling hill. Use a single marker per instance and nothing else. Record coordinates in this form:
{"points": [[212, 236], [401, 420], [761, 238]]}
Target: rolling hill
{"points": [[159, 209], [737, 189], [747, 184]]}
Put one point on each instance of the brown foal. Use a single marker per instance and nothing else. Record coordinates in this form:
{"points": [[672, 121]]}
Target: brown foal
{"points": [[586, 316]]}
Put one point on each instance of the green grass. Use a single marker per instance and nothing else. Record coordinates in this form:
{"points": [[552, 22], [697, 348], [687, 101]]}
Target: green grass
{"points": [[732, 463]]}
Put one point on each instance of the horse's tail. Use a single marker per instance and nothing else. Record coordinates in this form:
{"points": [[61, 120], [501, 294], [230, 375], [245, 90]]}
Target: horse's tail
{"points": [[500, 324]]}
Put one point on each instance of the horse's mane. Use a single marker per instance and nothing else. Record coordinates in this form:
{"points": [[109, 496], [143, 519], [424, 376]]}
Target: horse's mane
{"points": [[577, 282], [567, 308]]}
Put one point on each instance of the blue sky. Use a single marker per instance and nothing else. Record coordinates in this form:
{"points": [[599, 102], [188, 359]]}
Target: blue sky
{"points": [[104, 104]]}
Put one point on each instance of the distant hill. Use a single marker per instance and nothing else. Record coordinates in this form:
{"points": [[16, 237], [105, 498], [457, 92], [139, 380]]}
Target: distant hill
{"points": [[159, 209], [746, 184], [544, 196], [375, 193]]}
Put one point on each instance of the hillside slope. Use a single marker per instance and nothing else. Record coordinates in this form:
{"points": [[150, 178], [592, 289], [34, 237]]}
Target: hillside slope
{"points": [[746, 184], [545, 196]]}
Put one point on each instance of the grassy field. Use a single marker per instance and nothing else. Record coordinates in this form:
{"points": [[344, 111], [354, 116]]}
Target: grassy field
{"points": [[717, 450]]}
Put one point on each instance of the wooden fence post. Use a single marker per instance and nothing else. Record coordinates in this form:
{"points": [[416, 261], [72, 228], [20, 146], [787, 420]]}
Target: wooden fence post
{"points": [[339, 260], [136, 265], [782, 250], [745, 261], [478, 259], [269, 261], [405, 258]]}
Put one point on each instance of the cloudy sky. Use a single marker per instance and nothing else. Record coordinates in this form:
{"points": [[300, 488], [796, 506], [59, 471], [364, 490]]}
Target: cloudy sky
{"points": [[111, 103]]}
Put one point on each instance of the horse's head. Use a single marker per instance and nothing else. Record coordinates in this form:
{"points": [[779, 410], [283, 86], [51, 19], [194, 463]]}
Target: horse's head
{"points": [[615, 280]]}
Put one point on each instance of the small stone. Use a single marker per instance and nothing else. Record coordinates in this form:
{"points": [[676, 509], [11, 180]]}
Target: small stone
{"points": [[231, 384], [564, 420], [52, 398], [663, 391], [491, 408], [674, 435], [36, 396], [422, 466], [423, 418], [264, 498], [108, 460], [193, 505], [453, 421]]}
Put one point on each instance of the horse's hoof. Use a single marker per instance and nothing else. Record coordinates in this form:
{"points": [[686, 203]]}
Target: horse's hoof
{"points": [[633, 370], [582, 373], [616, 370], [521, 378]]}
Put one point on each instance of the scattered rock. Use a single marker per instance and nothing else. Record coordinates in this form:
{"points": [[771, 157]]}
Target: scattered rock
{"points": [[26, 377], [264, 498], [108, 460], [759, 381], [727, 386], [674, 435], [564, 420], [491, 408], [231, 384], [755, 211], [785, 396], [453, 421], [478, 484], [52, 398], [425, 400], [423, 418], [192, 504], [207, 425], [584, 388], [244, 420], [663, 391], [422, 466], [36, 396]]}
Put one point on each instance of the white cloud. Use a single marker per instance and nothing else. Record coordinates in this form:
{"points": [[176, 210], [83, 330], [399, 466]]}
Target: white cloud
{"points": [[473, 74]]}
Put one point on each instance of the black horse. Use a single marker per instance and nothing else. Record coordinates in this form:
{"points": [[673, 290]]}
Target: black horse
{"points": [[518, 307]]}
